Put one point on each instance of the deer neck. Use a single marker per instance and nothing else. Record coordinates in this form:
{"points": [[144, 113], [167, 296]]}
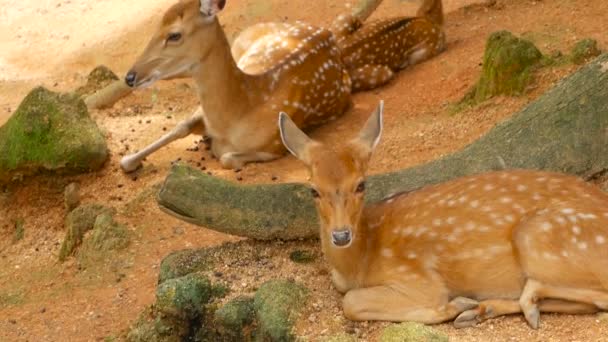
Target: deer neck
{"points": [[351, 261], [223, 88]]}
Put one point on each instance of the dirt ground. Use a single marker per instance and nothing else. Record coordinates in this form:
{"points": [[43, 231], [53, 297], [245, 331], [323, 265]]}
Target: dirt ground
{"points": [[56, 43]]}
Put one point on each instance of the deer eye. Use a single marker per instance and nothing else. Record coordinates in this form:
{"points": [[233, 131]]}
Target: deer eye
{"points": [[174, 37], [360, 187], [314, 193]]}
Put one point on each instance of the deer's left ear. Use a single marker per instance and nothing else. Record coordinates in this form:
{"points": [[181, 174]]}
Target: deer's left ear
{"points": [[369, 136], [211, 7]]}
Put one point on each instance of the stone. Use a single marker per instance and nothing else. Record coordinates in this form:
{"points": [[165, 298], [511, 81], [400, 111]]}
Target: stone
{"points": [[77, 223], [412, 332], [71, 196], [232, 318], [99, 247], [97, 79], [50, 132], [584, 50], [278, 304]]}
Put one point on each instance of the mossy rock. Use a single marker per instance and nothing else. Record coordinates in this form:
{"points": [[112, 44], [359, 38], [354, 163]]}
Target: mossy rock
{"points": [[507, 65], [77, 223], [302, 257], [97, 79], [186, 296], [181, 263], [584, 50], [412, 332], [154, 327], [278, 303], [100, 245], [340, 338], [233, 318], [50, 132]]}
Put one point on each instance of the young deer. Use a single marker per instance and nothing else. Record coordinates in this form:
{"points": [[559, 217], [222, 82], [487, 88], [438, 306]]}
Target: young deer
{"points": [[294, 68], [375, 51], [472, 248]]}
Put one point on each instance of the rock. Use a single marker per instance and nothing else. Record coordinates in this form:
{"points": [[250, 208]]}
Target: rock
{"points": [[100, 245], [231, 319], [278, 303], [302, 257], [71, 196], [19, 230], [584, 50], [154, 327], [181, 263], [340, 338], [98, 78], [185, 297], [50, 132], [412, 332], [507, 64], [77, 223]]}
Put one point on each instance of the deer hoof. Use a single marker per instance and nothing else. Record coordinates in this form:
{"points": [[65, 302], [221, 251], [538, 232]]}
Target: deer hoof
{"points": [[532, 315], [467, 319], [129, 164], [463, 303]]}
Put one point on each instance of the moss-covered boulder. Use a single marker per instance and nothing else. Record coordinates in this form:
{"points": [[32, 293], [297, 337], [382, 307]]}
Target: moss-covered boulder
{"points": [[184, 297], [412, 332], [51, 132], [181, 263], [97, 79], [278, 304], [152, 326], [77, 223], [507, 65], [99, 247], [584, 50], [232, 320]]}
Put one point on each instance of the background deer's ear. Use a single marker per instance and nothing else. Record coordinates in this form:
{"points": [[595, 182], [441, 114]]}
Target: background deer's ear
{"points": [[211, 7], [296, 141], [369, 136]]}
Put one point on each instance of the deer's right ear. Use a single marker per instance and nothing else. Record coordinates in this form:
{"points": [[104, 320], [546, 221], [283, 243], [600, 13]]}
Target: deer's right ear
{"points": [[296, 141], [211, 7]]}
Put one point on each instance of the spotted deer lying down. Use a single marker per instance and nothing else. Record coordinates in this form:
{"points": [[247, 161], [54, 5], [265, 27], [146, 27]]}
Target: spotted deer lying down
{"points": [[469, 249], [375, 51], [295, 68]]}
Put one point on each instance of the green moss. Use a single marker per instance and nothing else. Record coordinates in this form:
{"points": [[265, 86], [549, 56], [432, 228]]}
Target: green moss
{"points": [[232, 318], [507, 65], [412, 332], [584, 50], [8, 299], [77, 223], [302, 257], [278, 303], [154, 327], [53, 132]]}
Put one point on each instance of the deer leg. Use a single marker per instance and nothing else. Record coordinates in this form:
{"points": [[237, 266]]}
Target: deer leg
{"points": [[385, 303], [194, 124], [236, 160], [370, 77], [499, 307], [535, 291]]}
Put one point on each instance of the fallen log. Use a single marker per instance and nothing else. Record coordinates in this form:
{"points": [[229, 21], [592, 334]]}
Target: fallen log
{"points": [[565, 130]]}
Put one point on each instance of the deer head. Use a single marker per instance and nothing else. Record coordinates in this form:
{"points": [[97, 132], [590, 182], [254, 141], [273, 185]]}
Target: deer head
{"points": [[185, 36], [337, 175]]}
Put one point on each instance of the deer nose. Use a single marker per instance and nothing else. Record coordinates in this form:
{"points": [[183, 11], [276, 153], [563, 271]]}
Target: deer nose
{"points": [[130, 78], [342, 237]]}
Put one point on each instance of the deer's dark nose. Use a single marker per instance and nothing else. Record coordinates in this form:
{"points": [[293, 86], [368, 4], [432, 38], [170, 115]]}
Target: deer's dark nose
{"points": [[342, 237], [130, 78]]}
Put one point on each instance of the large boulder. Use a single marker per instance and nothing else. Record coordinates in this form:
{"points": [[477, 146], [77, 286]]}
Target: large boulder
{"points": [[50, 132]]}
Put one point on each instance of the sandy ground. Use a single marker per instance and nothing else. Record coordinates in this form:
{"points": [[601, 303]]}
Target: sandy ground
{"points": [[56, 43]]}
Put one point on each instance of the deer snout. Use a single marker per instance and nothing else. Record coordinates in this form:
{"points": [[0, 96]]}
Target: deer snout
{"points": [[130, 78], [342, 237]]}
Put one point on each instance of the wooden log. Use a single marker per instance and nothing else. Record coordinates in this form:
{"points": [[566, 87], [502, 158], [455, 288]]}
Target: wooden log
{"points": [[565, 130]]}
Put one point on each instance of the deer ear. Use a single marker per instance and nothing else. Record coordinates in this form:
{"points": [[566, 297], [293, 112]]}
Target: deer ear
{"points": [[211, 7], [369, 136], [295, 141]]}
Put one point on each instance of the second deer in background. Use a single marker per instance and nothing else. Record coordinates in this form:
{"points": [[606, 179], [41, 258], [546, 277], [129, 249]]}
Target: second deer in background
{"points": [[373, 52]]}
